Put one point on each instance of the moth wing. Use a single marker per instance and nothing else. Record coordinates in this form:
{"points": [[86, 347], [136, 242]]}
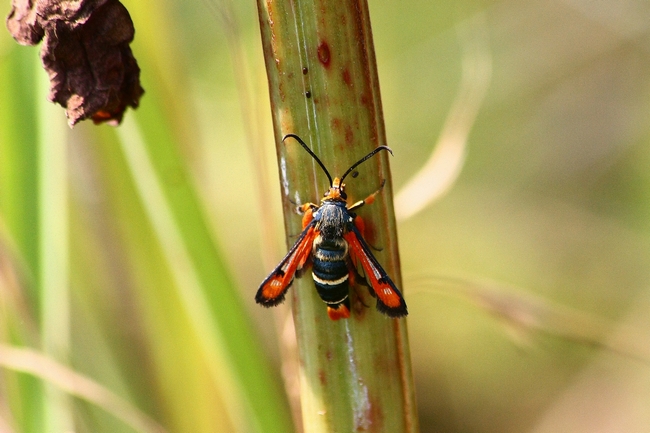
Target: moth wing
{"points": [[389, 298], [274, 287]]}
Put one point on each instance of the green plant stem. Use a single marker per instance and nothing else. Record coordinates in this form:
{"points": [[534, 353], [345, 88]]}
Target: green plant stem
{"points": [[204, 288], [19, 209], [53, 248], [355, 373]]}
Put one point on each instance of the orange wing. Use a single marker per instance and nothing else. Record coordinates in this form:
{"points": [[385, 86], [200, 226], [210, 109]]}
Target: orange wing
{"points": [[389, 299], [274, 287]]}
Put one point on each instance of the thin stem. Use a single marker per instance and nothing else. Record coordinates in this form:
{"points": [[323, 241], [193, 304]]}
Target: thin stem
{"points": [[355, 373], [54, 268]]}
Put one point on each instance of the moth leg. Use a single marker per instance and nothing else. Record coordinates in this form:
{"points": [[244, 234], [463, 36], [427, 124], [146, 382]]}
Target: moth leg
{"points": [[360, 224], [356, 279], [368, 200], [307, 211], [354, 276]]}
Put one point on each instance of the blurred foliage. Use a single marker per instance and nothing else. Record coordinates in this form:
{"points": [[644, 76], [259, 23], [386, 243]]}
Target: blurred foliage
{"points": [[545, 234]]}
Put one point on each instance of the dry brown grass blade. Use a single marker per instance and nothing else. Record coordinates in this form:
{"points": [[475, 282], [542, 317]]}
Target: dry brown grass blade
{"points": [[442, 168], [523, 313], [32, 362]]}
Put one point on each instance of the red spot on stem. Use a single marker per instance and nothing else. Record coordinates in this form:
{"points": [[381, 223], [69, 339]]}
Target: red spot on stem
{"points": [[324, 54], [349, 135], [347, 79]]}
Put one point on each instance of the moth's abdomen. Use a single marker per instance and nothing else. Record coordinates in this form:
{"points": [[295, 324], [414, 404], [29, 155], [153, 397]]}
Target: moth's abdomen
{"points": [[330, 270]]}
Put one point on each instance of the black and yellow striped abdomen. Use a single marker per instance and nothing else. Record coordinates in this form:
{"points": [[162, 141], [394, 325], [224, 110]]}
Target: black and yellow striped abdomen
{"points": [[330, 269], [330, 253]]}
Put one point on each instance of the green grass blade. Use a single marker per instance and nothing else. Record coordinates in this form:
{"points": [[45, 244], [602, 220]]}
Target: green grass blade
{"points": [[215, 310], [19, 208], [53, 248]]}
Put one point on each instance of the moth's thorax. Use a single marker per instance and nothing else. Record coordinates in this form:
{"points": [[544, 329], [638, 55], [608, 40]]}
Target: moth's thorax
{"points": [[333, 219]]}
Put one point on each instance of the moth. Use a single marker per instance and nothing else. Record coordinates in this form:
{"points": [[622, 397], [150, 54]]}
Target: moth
{"points": [[332, 237]]}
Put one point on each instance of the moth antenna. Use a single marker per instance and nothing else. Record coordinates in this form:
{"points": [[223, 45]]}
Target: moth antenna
{"points": [[309, 151], [368, 156]]}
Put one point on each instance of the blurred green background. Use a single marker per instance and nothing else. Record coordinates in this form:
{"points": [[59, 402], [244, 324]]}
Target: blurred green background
{"points": [[132, 254]]}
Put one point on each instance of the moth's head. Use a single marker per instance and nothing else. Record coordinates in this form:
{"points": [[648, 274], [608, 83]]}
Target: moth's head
{"points": [[336, 192]]}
